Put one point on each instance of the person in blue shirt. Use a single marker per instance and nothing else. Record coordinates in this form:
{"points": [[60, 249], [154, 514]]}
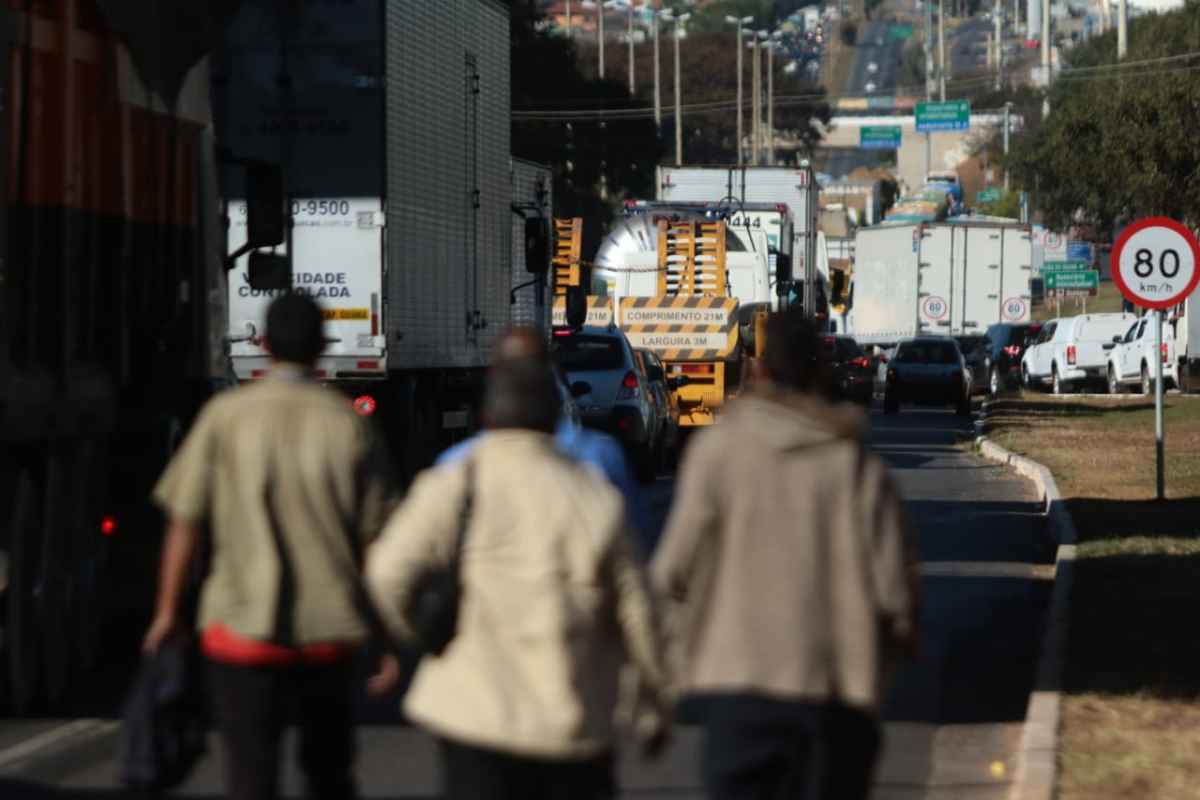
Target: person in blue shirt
{"points": [[574, 441]]}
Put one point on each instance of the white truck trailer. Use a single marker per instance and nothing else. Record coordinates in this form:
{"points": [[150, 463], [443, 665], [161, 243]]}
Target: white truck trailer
{"points": [[794, 187], [391, 120], [947, 278]]}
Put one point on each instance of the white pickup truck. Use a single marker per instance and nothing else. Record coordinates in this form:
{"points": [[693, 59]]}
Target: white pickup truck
{"points": [[1131, 361], [1072, 351]]}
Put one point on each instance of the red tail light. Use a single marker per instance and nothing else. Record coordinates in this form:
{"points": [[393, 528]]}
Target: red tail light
{"points": [[629, 387], [364, 405], [863, 362], [1012, 350], [108, 525], [1164, 352], [1070, 354], [694, 369]]}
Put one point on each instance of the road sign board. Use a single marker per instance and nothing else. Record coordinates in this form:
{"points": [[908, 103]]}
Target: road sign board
{"points": [[988, 195], [901, 31], [1064, 266], [1156, 263], [879, 137], [952, 115], [1088, 279], [1079, 251]]}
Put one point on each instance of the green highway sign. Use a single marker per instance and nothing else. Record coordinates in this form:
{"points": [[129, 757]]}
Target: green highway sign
{"points": [[989, 195], [952, 115], [879, 137], [1089, 279], [1051, 267], [901, 32]]}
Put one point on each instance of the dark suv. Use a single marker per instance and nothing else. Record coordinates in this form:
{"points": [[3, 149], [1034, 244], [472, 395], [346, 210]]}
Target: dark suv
{"points": [[1006, 345], [853, 374]]}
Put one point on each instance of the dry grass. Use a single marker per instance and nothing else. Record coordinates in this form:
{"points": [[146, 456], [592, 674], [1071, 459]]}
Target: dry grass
{"points": [[1131, 717]]}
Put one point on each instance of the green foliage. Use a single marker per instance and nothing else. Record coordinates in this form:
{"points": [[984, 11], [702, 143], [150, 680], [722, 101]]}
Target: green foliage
{"points": [[1119, 144]]}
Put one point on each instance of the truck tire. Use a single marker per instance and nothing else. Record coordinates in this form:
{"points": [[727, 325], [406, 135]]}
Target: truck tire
{"points": [[1057, 385], [22, 645], [1147, 381], [1184, 380], [1026, 381], [995, 383]]}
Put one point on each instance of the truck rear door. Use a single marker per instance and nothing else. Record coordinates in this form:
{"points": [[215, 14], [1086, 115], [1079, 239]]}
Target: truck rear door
{"points": [[934, 284], [978, 255], [1016, 269], [338, 245]]}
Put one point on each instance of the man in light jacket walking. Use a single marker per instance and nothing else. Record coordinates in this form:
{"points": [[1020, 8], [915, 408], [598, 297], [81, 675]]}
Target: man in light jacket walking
{"points": [[789, 563], [553, 602]]}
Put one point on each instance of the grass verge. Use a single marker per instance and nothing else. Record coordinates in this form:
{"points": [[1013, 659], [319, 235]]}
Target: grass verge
{"points": [[1131, 712], [1108, 299]]}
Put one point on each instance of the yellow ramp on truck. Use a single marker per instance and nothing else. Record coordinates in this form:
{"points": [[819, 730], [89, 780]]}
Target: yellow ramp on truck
{"points": [[692, 323]]}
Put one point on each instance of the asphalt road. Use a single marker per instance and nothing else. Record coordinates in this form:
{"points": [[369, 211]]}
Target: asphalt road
{"points": [[953, 716]]}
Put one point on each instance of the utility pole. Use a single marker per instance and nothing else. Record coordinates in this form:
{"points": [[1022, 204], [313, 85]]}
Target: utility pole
{"points": [[771, 102], [928, 76], [629, 33], [682, 18], [657, 75], [756, 99], [740, 22], [1122, 28], [998, 28], [1046, 41], [1007, 123], [942, 50]]}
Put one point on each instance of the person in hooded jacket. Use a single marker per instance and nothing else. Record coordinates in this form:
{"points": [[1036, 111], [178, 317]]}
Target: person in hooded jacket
{"points": [[789, 566]]}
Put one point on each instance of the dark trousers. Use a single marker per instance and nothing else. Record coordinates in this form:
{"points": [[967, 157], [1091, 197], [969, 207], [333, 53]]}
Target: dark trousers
{"points": [[472, 773], [761, 749], [253, 706]]}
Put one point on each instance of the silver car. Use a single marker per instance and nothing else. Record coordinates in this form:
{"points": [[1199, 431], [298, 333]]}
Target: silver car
{"points": [[612, 391]]}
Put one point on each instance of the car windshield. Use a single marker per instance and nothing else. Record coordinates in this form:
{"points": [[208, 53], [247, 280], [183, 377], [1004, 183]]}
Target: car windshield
{"points": [[589, 353], [927, 353]]}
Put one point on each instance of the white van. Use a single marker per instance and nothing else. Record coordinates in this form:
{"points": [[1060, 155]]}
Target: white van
{"points": [[1072, 351]]}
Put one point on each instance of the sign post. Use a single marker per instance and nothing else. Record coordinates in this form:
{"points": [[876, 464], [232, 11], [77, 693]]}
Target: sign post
{"points": [[1156, 264]]}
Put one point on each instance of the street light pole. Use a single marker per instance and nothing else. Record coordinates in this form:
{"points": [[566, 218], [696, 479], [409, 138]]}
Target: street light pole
{"points": [[657, 73], [629, 33], [1122, 28], [1007, 120], [682, 18], [942, 50], [755, 99], [771, 102], [739, 22]]}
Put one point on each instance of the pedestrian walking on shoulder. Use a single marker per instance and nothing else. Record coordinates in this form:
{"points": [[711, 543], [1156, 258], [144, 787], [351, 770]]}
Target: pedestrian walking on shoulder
{"points": [[553, 603], [292, 485], [789, 566]]}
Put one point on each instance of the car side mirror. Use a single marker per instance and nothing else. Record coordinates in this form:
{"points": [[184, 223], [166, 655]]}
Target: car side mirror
{"points": [[580, 388], [1117, 340], [269, 272], [265, 205], [537, 245]]}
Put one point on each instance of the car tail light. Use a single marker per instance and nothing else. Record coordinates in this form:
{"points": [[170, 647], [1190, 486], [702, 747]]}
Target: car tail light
{"points": [[364, 405], [629, 387], [1070, 354], [1012, 350], [1163, 348], [863, 362], [108, 525], [694, 369]]}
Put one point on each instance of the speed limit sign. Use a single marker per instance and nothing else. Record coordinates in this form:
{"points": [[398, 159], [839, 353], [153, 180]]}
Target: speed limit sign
{"points": [[1156, 263]]}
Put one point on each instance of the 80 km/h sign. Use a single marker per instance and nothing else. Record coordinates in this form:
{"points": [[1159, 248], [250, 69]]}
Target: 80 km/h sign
{"points": [[1156, 263]]}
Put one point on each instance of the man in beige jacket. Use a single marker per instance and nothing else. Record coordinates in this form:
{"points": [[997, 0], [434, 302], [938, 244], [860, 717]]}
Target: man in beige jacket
{"points": [[553, 603], [788, 556]]}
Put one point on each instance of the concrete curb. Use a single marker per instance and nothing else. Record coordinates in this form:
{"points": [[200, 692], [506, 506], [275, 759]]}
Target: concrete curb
{"points": [[1037, 753]]}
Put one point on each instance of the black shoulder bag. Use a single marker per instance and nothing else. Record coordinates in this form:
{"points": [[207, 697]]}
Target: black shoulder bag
{"points": [[432, 608]]}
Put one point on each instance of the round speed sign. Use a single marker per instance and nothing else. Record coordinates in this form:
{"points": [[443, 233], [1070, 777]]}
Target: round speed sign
{"points": [[1156, 263]]}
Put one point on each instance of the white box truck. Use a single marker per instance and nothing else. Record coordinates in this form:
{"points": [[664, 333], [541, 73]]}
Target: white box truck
{"points": [[391, 121], [794, 187], [950, 278]]}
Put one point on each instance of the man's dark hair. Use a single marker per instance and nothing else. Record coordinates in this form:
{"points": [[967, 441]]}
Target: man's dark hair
{"points": [[295, 329], [793, 356], [521, 393]]}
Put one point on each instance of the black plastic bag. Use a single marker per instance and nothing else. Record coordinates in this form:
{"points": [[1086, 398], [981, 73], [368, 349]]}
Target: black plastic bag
{"points": [[165, 724]]}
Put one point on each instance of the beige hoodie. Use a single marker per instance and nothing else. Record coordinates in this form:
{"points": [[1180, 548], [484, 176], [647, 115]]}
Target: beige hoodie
{"points": [[788, 555]]}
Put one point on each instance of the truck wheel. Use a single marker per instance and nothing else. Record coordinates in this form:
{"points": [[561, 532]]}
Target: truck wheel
{"points": [[1147, 381], [995, 385], [1183, 380], [1057, 385], [1026, 381], [1114, 385], [21, 641]]}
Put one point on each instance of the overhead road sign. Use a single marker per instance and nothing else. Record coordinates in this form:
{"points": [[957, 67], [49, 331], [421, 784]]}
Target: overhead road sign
{"points": [[879, 137], [952, 115]]}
